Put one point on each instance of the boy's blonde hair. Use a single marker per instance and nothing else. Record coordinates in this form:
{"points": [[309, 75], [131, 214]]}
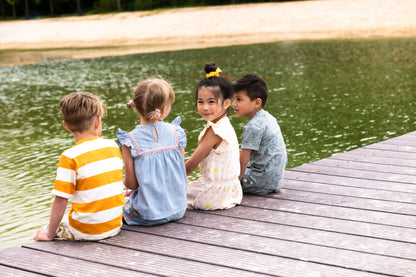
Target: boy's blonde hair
{"points": [[79, 110], [151, 96]]}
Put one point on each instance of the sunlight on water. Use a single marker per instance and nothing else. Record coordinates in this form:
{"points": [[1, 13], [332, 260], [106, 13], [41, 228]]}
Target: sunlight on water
{"points": [[328, 97]]}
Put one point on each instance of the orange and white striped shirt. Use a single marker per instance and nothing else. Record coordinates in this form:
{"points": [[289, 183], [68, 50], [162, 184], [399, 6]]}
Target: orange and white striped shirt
{"points": [[91, 175]]}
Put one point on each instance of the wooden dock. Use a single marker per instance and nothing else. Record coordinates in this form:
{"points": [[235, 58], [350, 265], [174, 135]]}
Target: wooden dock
{"points": [[352, 214]]}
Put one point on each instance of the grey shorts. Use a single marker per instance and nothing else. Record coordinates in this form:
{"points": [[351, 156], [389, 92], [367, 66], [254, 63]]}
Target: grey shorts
{"points": [[250, 187]]}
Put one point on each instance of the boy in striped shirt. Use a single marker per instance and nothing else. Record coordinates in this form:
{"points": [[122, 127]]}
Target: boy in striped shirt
{"points": [[90, 174]]}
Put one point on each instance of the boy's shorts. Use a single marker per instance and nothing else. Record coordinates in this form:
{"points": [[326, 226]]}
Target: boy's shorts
{"points": [[62, 233], [249, 186]]}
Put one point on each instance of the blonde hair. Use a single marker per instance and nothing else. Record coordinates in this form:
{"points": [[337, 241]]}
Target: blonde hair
{"points": [[79, 110], [151, 96]]}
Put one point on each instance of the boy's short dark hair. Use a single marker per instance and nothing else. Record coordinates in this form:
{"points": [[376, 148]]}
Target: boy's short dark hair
{"points": [[254, 86], [79, 109]]}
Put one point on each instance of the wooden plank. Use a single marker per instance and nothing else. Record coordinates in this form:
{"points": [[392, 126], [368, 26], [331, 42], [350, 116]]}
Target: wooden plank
{"points": [[139, 262], [300, 234], [274, 247], [58, 264], [352, 214], [382, 153], [343, 201], [200, 247], [335, 189], [379, 160], [408, 139], [360, 174], [381, 185], [407, 221], [409, 169], [404, 136], [263, 213], [392, 147], [10, 271], [403, 140]]}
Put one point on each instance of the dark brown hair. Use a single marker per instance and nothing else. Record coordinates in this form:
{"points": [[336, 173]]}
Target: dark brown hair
{"points": [[254, 86]]}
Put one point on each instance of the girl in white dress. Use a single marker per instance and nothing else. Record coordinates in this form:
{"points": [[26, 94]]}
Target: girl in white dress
{"points": [[217, 153]]}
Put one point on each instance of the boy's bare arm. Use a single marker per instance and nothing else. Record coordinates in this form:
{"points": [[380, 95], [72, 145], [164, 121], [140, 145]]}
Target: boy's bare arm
{"points": [[57, 212], [244, 155]]}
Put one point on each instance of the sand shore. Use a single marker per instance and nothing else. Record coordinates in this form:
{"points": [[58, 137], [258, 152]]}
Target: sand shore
{"points": [[139, 32]]}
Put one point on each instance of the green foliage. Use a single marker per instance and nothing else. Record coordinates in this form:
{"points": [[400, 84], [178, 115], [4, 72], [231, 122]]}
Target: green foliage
{"points": [[140, 5], [105, 5], [40, 8]]}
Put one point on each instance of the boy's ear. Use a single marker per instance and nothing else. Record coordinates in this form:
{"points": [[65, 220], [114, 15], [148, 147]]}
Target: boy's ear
{"points": [[258, 102], [97, 122], [66, 127]]}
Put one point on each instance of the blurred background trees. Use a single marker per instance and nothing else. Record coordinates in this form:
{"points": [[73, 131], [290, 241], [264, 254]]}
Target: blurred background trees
{"points": [[31, 9]]}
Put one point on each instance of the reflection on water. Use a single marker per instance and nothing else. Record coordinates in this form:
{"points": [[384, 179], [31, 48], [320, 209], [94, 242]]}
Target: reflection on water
{"points": [[328, 97]]}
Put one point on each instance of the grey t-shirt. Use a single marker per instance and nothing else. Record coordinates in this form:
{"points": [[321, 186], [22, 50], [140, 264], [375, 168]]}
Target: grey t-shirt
{"points": [[268, 157]]}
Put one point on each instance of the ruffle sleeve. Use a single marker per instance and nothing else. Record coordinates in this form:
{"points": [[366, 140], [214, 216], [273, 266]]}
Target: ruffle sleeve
{"points": [[218, 129], [182, 141], [123, 138]]}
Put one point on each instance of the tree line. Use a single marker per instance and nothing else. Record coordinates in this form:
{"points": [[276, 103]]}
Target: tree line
{"points": [[20, 9]]}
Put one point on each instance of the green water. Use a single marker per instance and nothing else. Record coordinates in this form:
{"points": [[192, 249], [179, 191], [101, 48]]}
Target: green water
{"points": [[328, 97]]}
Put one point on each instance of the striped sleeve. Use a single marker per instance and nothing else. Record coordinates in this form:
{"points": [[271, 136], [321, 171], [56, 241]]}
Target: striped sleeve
{"points": [[65, 178]]}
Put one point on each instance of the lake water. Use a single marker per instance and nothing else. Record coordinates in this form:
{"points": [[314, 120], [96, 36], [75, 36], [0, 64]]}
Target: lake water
{"points": [[328, 97]]}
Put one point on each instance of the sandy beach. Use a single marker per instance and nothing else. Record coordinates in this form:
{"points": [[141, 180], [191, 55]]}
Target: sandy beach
{"points": [[185, 28]]}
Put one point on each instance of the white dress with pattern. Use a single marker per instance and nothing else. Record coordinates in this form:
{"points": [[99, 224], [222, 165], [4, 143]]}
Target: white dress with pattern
{"points": [[219, 187]]}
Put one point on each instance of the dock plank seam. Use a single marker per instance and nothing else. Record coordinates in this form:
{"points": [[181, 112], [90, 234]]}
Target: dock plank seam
{"points": [[363, 170], [300, 234], [87, 260], [328, 230], [353, 196], [332, 217], [346, 176], [309, 260], [307, 178], [184, 258], [297, 241]]}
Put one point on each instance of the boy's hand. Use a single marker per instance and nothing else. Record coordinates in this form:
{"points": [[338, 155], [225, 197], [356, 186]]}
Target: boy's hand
{"points": [[42, 235]]}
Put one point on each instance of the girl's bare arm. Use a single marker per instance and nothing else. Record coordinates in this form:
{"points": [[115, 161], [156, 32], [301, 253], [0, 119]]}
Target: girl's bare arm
{"points": [[130, 180], [209, 141]]}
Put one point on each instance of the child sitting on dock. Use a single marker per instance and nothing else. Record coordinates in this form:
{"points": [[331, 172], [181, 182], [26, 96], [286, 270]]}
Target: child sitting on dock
{"points": [[217, 151], [153, 155], [263, 156], [90, 174]]}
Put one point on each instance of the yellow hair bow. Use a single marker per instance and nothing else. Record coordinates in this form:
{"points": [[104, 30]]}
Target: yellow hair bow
{"points": [[215, 73]]}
